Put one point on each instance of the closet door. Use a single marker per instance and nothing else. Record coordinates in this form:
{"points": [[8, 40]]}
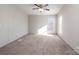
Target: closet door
{"points": [[4, 26]]}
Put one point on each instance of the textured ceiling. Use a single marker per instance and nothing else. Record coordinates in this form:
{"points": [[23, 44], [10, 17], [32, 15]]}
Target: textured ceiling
{"points": [[27, 8]]}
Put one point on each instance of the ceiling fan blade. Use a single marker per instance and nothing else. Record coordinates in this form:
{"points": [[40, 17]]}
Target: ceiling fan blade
{"points": [[47, 9], [35, 8], [45, 5], [37, 5]]}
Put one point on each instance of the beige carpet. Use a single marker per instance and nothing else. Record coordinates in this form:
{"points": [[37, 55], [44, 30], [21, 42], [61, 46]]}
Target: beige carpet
{"points": [[37, 45]]}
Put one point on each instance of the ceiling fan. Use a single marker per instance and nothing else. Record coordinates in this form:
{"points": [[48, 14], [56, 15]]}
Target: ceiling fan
{"points": [[41, 7]]}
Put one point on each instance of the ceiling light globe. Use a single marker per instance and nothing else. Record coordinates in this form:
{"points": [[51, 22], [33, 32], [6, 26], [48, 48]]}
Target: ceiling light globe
{"points": [[41, 10]]}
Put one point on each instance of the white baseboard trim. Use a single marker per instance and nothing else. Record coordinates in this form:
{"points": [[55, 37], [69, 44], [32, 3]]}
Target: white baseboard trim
{"points": [[68, 45], [12, 41]]}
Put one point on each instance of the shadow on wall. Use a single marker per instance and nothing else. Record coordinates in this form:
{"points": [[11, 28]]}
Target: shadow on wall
{"points": [[48, 28]]}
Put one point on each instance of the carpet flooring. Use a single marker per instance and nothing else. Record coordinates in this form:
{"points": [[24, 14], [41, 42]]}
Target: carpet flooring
{"points": [[37, 45]]}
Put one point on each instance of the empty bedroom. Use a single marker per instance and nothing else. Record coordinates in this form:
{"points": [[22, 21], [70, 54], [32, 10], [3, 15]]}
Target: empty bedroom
{"points": [[39, 29]]}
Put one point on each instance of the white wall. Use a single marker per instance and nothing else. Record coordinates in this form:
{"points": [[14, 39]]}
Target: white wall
{"points": [[13, 24], [37, 22], [68, 25]]}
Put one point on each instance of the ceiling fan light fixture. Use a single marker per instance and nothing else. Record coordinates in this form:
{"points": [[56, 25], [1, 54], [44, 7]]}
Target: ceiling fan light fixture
{"points": [[41, 7], [41, 10]]}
